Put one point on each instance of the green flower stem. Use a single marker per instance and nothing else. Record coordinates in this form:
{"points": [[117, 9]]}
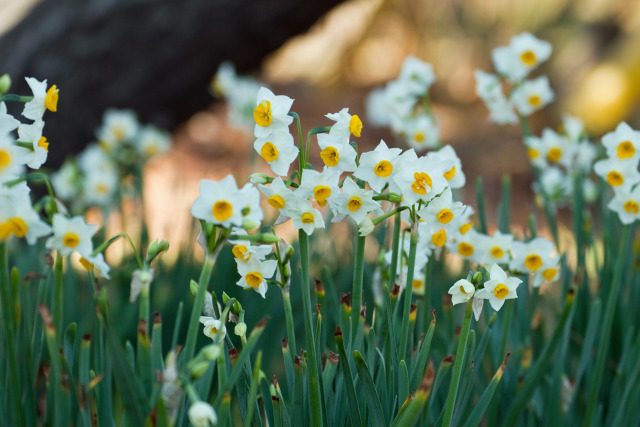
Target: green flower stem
{"points": [[312, 361], [524, 126], [482, 215], [7, 319], [606, 325], [15, 98], [356, 293], [291, 330], [457, 368], [193, 329], [408, 290], [57, 294], [301, 160], [506, 323]]}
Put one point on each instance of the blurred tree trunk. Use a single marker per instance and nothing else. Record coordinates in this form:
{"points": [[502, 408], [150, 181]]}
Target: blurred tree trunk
{"points": [[153, 56]]}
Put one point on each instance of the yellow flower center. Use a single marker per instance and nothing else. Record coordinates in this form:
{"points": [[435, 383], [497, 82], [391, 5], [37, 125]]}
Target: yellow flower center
{"points": [[118, 133], [417, 284], [238, 251], [42, 142], [307, 218], [354, 204], [71, 240], [5, 230], [445, 216], [5, 159], [465, 249], [262, 114], [532, 153], [465, 227], [269, 152], [101, 188], [383, 169], [554, 154], [528, 58], [86, 264], [330, 156], [321, 193], [213, 330], [18, 227], [615, 179], [253, 279], [497, 252], [422, 180], [418, 136], [450, 174], [550, 273], [534, 100], [533, 262], [462, 290], [501, 291], [626, 150], [276, 201], [355, 125], [631, 206], [222, 210], [51, 100], [439, 238]]}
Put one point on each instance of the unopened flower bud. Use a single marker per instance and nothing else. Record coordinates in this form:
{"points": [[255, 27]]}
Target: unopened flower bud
{"points": [[199, 368], [156, 248], [260, 178], [202, 414], [240, 329], [366, 227], [211, 352], [247, 224], [5, 83]]}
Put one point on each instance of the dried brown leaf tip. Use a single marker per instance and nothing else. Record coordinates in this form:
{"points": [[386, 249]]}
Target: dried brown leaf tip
{"points": [[427, 379], [338, 332], [333, 358], [285, 344], [345, 299], [32, 275], [449, 359], [395, 291], [262, 323], [157, 318], [233, 354], [319, 287], [433, 316], [142, 327]]}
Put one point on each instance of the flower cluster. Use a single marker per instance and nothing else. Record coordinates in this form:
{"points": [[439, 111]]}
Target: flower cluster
{"points": [[18, 218], [404, 105], [122, 147], [513, 64], [620, 171]]}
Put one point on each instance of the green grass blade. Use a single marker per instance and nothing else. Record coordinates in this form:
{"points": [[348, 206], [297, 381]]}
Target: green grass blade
{"points": [[369, 390], [348, 380], [481, 406], [421, 361]]}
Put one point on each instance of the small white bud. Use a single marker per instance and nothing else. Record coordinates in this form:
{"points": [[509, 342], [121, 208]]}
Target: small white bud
{"points": [[240, 329]]}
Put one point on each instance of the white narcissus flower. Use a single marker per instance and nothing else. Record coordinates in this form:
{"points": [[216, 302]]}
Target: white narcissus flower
{"points": [[497, 248], [620, 174], [201, 414], [422, 133], [278, 149], [117, 127], [441, 210], [97, 261], [8, 123], [377, 112], [33, 134], [271, 113], [421, 179], [548, 272], [524, 53], [224, 79], [219, 203], [532, 95], [346, 125], [336, 153], [17, 217], [623, 143], [461, 291], [354, 202], [43, 99], [304, 216], [489, 88], [378, 167], [626, 204], [278, 196], [455, 176], [365, 227], [466, 245], [140, 281], [99, 187], [66, 180], [12, 160], [243, 250], [94, 159], [499, 288], [529, 257], [557, 149], [254, 274], [71, 235], [213, 327], [151, 141], [417, 75], [322, 186]]}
